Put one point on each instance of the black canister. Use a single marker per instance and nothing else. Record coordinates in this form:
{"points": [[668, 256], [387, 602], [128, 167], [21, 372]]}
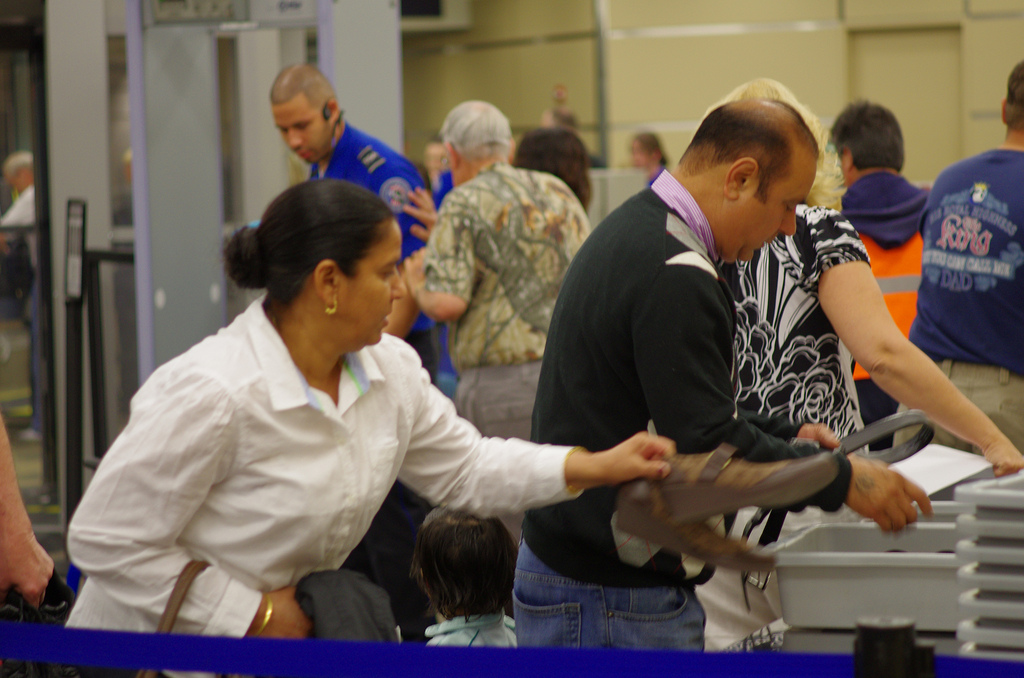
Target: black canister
{"points": [[924, 660], [884, 648]]}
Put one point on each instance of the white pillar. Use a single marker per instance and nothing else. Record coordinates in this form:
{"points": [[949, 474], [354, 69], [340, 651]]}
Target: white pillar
{"points": [[368, 67], [77, 130], [293, 46], [263, 161]]}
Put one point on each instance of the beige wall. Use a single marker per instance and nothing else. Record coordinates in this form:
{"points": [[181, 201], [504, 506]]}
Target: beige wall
{"points": [[515, 56], [991, 47], [915, 73], [941, 65], [666, 84]]}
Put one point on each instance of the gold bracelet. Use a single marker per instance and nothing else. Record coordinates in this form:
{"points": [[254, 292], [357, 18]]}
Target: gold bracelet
{"points": [[570, 488], [266, 615]]}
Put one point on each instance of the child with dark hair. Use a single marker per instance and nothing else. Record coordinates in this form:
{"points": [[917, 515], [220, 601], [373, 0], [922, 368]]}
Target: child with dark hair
{"points": [[466, 566]]}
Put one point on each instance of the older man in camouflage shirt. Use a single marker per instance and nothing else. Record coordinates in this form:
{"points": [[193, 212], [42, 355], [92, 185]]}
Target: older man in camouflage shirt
{"points": [[493, 266]]}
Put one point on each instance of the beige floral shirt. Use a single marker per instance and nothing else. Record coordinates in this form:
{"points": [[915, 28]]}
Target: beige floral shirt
{"points": [[502, 243]]}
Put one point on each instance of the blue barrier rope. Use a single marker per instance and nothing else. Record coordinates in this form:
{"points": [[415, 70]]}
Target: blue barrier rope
{"points": [[337, 659]]}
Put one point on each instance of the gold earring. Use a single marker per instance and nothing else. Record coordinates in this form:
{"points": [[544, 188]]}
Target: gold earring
{"points": [[330, 310]]}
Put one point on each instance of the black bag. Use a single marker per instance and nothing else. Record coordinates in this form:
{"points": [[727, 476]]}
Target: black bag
{"points": [[55, 608]]}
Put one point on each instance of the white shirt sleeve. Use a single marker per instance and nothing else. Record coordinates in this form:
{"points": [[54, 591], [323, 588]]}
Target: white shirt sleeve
{"points": [[149, 485], [448, 461]]}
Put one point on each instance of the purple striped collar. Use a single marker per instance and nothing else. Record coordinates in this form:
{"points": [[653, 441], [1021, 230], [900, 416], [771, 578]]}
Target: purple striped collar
{"points": [[675, 195]]}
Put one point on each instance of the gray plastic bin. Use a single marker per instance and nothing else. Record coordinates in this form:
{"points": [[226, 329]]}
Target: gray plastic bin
{"points": [[829, 575]]}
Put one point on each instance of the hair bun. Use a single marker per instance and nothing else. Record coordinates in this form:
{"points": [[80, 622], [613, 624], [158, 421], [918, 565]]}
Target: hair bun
{"points": [[242, 260]]}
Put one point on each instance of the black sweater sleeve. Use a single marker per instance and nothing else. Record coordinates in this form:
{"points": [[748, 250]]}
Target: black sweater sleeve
{"points": [[682, 333], [780, 427]]}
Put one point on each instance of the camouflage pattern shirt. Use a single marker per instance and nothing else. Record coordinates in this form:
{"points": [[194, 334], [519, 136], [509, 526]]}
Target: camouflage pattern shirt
{"points": [[502, 243]]}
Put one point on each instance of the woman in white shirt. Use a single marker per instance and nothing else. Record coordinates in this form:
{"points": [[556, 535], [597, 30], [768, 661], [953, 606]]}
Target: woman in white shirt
{"points": [[267, 449]]}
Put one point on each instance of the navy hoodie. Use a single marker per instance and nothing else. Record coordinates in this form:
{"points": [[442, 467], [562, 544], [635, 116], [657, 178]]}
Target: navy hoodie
{"points": [[885, 207]]}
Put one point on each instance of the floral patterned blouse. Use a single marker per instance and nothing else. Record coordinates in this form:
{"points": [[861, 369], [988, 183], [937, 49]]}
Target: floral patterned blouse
{"points": [[789, 360]]}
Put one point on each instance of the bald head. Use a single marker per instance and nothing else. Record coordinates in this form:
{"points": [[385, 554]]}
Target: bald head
{"points": [[301, 79], [766, 131], [306, 113]]}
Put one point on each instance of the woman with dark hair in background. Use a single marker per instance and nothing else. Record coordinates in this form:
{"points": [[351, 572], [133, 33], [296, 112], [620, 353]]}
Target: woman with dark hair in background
{"points": [[558, 151], [267, 449]]}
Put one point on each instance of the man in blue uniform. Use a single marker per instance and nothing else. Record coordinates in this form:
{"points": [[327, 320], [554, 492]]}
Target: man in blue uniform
{"points": [[306, 112]]}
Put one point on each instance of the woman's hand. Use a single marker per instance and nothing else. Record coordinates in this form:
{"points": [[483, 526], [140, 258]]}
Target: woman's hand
{"points": [[642, 456], [883, 495], [421, 207], [1005, 458], [287, 620]]}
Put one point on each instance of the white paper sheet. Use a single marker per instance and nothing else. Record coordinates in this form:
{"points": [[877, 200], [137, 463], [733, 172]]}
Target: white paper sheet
{"points": [[937, 467]]}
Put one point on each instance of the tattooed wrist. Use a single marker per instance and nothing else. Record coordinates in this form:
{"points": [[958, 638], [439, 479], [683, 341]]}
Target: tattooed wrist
{"points": [[865, 484]]}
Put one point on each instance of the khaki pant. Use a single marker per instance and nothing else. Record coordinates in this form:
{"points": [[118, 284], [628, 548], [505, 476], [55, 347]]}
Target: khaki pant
{"points": [[997, 392], [499, 402]]}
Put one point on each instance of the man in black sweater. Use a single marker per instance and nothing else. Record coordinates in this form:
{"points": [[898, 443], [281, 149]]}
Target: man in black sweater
{"points": [[643, 332]]}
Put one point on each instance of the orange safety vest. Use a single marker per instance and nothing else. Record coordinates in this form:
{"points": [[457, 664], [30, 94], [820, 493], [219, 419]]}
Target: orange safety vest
{"points": [[898, 272]]}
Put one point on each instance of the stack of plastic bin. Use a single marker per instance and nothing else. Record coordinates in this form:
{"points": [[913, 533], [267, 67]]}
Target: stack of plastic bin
{"points": [[992, 550]]}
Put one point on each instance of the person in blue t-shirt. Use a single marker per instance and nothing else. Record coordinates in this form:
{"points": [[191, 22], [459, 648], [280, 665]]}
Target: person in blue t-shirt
{"points": [[306, 112], [970, 318]]}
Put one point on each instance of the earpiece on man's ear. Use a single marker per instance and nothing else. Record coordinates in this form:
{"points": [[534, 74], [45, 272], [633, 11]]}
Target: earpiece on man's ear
{"points": [[327, 112]]}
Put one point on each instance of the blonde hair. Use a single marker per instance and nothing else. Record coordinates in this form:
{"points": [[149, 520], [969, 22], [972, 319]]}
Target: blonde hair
{"points": [[828, 188]]}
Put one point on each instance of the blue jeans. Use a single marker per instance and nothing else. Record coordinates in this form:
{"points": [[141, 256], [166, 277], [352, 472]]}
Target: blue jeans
{"points": [[553, 610]]}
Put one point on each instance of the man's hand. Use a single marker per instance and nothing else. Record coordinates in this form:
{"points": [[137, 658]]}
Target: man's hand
{"points": [[883, 495], [820, 434], [441, 306], [412, 271], [25, 566], [404, 310], [422, 209]]}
